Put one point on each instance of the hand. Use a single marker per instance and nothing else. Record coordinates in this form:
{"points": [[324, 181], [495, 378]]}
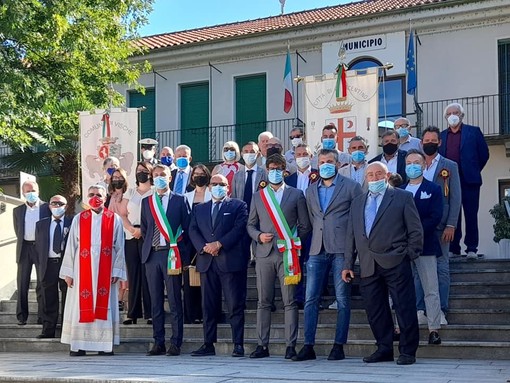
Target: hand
{"points": [[115, 280], [347, 276], [211, 248], [448, 234], [69, 282], [137, 233], [266, 237]]}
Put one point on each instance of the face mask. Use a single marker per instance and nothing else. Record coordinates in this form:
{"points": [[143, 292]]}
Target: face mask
{"points": [[303, 162], [414, 171], [271, 151], [168, 160], [118, 184], [58, 211], [327, 171], [377, 186], [358, 156], [32, 197], [249, 158], [430, 148], [182, 162], [403, 132], [218, 191], [390, 149], [275, 176], [110, 171], [328, 143], [200, 180], [453, 120], [142, 177], [148, 154], [95, 202], [161, 182], [229, 156], [296, 141]]}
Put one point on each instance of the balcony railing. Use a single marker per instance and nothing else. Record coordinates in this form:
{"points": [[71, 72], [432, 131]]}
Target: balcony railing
{"points": [[491, 113]]}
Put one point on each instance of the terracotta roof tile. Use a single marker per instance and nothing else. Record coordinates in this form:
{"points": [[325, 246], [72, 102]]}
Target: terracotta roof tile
{"points": [[291, 20]]}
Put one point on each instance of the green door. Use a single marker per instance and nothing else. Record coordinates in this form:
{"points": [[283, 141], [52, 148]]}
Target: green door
{"points": [[250, 108], [195, 120], [148, 117]]}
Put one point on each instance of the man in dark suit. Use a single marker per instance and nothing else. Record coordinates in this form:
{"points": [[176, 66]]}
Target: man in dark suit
{"points": [[465, 145], [164, 224], [274, 212], [25, 217], [181, 177], [215, 230], [50, 239], [429, 203], [385, 231], [392, 156]]}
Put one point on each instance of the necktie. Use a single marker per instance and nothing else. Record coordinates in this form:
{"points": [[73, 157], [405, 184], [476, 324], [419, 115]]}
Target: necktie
{"points": [[215, 211], [57, 238], [370, 213], [179, 182], [248, 188], [157, 234]]}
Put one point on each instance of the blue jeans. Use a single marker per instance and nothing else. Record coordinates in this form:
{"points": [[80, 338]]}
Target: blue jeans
{"points": [[316, 271]]}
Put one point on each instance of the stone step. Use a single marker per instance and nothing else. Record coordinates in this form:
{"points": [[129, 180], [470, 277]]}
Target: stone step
{"points": [[480, 275], [492, 287], [464, 264]]}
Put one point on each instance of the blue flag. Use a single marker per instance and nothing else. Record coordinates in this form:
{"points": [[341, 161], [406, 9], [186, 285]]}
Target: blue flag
{"points": [[411, 66]]}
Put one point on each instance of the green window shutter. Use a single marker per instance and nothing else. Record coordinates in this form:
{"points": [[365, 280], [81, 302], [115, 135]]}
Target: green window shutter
{"points": [[148, 117], [251, 108], [195, 120]]}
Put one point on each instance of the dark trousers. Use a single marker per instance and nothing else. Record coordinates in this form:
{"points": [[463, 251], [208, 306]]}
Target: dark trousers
{"points": [[138, 289], [301, 286], [470, 205], [192, 297], [233, 284], [27, 259], [398, 281], [50, 285], [158, 279]]}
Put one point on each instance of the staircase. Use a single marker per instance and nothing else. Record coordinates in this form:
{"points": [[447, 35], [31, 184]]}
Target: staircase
{"points": [[479, 322]]}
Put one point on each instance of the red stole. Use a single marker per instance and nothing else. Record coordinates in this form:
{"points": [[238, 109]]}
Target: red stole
{"points": [[87, 312]]}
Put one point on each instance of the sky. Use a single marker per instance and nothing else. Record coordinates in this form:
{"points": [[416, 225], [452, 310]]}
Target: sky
{"points": [[178, 15]]}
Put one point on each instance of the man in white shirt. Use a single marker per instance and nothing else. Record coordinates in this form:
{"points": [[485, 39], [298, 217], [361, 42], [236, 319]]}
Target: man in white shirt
{"points": [[329, 139], [358, 149], [181, 176], [407, 142], [296, 138], [392, 156], [263, 139]]}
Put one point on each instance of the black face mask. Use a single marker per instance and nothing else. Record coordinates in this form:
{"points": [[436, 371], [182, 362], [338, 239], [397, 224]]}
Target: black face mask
{"points": [[118, 184], [200, 180], [142, 177], [271, 151], [430, 148], [389, 149]]}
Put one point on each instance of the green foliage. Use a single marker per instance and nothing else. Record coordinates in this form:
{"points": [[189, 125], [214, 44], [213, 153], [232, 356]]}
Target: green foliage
{"points": [[502, 222]]}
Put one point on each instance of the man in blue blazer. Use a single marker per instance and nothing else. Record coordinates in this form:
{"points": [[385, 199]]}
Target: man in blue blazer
{"points": [[217, 230], [392, 156], [465, 145], [157, 253], [50, 239]]}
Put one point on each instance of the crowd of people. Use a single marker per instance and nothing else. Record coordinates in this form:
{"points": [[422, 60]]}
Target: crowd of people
{"points": [[289, 215]]}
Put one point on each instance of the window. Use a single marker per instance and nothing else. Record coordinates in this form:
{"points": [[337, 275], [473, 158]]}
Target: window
{"points": [[504, 85]]}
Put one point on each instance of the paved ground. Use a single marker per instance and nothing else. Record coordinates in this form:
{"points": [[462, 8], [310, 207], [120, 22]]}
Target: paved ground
{"points": [[59, 367]]}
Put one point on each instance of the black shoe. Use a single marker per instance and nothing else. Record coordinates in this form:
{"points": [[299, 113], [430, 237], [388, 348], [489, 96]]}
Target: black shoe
{"points": [[238, 350], [157, 349], [404, 360], [130, 321], [337, 352], [306, 353], [173, 350], [77, 353], [205, 350], [378, 356], [121, 305], [252, 263], [105, 353], [22, 322], [290, 352], [260, 352], [300, 305], [149, 321], [434, 338], [45, 336], [197, 321]]}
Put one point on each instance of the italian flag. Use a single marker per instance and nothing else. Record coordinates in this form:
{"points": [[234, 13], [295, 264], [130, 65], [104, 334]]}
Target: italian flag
{"points": [[287, 83]]}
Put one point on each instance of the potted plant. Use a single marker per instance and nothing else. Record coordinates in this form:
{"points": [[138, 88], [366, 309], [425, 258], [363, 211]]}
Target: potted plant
{"points": [[502, 227]]}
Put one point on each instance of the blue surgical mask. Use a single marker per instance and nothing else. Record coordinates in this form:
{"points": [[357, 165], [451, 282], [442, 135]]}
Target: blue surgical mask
{"points": [[403, 132], [327, 171], [229, 155], [110, 171], [182, 162], [250, 158], [32, 197], [414, 171], [275, 176], [167, 160], [328, 143], [161, 182], [218, 191], [358, 156], [58, 211], [377, 186]]}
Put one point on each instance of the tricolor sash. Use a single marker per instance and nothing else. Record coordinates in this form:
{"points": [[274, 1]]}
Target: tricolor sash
{"points": [[288, 242], [87, 312], [161, 220]]}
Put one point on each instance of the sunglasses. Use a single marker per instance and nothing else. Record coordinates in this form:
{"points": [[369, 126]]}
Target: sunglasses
{"points": [[57, 203], [229, 150], [291, 137], [95, 195]]}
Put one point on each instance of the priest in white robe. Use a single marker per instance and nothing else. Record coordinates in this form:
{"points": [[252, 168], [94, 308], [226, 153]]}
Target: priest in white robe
{"points": [[93, 264]]}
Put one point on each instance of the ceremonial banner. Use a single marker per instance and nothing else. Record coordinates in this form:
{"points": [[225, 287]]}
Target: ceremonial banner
{"points": [[355, 114], [103, 135]]}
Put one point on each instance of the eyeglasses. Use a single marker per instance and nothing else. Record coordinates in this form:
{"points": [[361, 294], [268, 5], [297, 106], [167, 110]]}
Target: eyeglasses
{"points": [[218, 183], [405, 126], [298, 136], [57, 203], [90, 195], [229, 150]]}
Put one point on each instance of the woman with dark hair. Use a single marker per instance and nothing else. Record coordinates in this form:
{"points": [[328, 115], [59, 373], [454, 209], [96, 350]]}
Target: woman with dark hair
{"points": [[130, 212], [200, 177]]}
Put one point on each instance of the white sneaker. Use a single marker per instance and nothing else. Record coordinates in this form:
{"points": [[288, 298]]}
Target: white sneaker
{"points": [[471, 255], [333, 306], [443, 319], [422, 318]]}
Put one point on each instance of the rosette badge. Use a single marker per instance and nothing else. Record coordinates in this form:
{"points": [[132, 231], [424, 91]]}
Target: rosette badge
{"points": [[445, 175]]}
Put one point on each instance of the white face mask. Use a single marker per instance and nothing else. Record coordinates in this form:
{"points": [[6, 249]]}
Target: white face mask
{"points": [[296, 141], [303, 162], [250, 158], [453, 120], [148, 154]]}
